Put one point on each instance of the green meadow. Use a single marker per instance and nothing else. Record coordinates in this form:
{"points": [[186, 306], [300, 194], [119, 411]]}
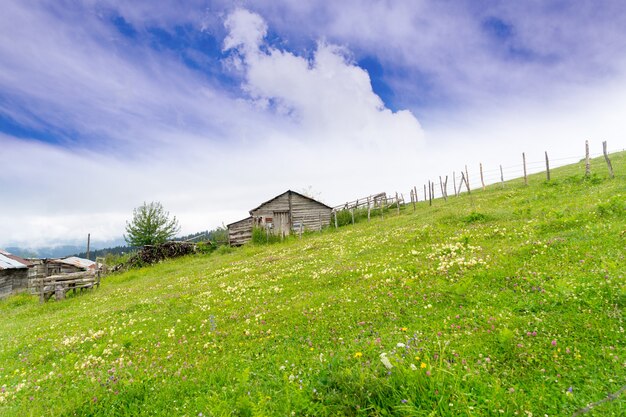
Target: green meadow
{"points": [[504, 302]]}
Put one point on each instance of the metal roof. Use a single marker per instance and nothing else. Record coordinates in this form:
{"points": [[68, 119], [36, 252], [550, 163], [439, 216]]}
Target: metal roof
{"points": [[8, 263], [79, 262]]}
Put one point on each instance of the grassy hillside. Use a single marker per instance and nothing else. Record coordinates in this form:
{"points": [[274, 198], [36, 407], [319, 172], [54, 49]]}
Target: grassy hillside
{"points": [[503, 302]]}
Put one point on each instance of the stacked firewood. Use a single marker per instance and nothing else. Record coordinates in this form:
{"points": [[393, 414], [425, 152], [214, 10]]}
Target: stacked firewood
{"points": [[151, 254]]}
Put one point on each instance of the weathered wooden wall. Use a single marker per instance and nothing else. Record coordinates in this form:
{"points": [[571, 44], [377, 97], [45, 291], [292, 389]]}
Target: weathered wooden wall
{"points": [[310, 213], [240, 232], [266, 210], [13, 281]]}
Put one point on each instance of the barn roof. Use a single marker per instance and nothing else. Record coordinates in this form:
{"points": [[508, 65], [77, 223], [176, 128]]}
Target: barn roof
{"points": [[78, 262], [9, 261], [292, 192]]}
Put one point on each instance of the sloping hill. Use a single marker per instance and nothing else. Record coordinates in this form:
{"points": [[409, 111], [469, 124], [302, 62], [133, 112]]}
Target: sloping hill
{"points": [[503, 302]]}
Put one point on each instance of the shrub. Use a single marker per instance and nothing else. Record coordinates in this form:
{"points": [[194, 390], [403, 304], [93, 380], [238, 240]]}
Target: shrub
{"points": [[261, 237], [475, 217]]}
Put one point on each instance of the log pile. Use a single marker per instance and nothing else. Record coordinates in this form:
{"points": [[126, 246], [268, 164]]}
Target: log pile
{"points": [[151, 254]]}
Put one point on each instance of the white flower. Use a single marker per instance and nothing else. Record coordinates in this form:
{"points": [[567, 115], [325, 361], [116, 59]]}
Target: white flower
{"points": [[385, 360], [401, 345]]}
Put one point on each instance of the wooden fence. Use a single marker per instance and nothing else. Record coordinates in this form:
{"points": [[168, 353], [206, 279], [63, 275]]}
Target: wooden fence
{"points": [[59, 285], [460, 182]]}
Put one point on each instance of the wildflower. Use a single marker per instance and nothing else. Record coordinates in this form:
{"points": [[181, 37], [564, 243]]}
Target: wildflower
{"points": [[401, 345], [385, 360], [427, 373], [404, 401], [404, 329], [358, 355], [554, 342], [413, 367], [422, 365]]}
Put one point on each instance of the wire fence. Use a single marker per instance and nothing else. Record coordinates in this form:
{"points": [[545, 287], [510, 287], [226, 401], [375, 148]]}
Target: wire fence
{"points": [[464, 180]]}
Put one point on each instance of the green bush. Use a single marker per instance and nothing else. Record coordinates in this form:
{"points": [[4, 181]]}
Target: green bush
{"points": [[205, 247], [261, 237], [475, 217]]}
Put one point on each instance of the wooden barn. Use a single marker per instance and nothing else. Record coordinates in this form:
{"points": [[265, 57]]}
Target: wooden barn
{"points": [[14, 272], [42, 268], [283, 214]]}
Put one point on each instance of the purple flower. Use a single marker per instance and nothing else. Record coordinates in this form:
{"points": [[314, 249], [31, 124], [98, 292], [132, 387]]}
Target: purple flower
{"points": [[404, 401], [553, 342]]}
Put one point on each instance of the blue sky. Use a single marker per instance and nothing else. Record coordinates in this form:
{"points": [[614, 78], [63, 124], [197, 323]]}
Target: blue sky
{"points": [[213, 106]]}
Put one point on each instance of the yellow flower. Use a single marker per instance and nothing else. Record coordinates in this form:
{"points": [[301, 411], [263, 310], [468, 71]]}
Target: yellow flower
{"points": [[358, 355], [422, 365], [404, 329]]}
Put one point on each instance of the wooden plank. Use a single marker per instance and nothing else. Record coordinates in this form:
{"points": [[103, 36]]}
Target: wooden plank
{"points": [[608, 161]]}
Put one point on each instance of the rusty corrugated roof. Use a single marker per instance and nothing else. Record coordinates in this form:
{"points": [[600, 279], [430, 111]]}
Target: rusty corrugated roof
{"points": [[7, 262], [79, 262]]}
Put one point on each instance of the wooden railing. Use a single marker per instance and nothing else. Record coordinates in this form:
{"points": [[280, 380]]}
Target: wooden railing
{"points": [[59, 285]]}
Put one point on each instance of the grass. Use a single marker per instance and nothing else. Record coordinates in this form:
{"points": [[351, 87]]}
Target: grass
{"points": [[504, 302]]}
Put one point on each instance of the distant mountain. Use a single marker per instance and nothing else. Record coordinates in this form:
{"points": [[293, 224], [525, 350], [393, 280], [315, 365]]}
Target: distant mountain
{"points": [[116, 247], [61, 251]]}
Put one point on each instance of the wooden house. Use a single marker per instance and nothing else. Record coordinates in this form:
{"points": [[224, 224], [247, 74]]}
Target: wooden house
{"points": [[14, 273], [286, 213]]}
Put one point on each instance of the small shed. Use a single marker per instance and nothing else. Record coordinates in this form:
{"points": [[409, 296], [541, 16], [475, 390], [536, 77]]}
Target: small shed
{"points": [[13, 274], [287, 212], [46, 267], [240, 232]]}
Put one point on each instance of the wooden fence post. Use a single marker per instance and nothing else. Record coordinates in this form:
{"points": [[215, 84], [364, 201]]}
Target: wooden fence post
{"points": [[587, 164], [467, 179], [454, 182], [501, 176], [443, 193], [461, 182], [430, 194], [466, 183], [482, 179], [425, 197], [397, 203], [415, 192], [352, 213], [608, 161], [525, 175], [369, 208], [547, 167], [413, 198], [432, 184], [336, 224]]}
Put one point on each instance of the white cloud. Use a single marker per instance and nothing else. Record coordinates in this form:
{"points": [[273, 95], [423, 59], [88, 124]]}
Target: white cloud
{"points": [[328, 97]]}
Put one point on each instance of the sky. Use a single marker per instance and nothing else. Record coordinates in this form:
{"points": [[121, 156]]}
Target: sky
{"points": [[212, 107]]}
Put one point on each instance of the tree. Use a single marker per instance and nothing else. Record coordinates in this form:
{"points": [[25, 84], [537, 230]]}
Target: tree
{"points": [[151, 225]]}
